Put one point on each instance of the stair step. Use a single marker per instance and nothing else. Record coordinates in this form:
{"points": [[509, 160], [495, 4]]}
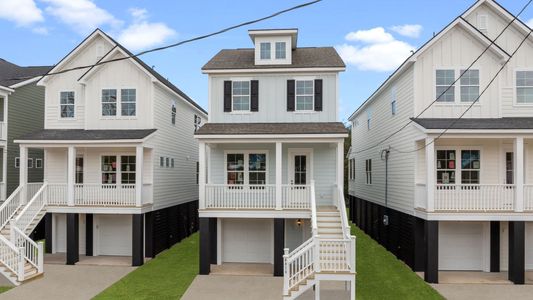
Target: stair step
{"points": [[329, 230], [328, 213]]}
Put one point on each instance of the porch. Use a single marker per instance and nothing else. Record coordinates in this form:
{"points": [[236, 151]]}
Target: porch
{"points": [[481, 174]]}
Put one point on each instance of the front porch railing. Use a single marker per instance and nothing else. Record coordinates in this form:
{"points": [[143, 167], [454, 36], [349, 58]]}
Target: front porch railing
{"points": [[475, 197], [238, 196], [94, 194]]}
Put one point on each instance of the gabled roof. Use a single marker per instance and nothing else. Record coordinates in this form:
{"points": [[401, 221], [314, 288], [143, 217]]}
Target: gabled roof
{"points": [[159, 78], [11, 74], [460, 20], [305, 57]]}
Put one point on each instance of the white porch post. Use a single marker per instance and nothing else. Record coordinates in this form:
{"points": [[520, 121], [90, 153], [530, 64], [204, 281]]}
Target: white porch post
{"points": [[71, 174], [279, 157], [23, 172], [340, 164], [430, 170], [139, 159], [4, 173], [201, 175], [519, 167]]}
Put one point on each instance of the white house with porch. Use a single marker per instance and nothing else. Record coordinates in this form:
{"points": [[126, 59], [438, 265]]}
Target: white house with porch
{"points": [[271, 164], [463, 200], [119, 158]]}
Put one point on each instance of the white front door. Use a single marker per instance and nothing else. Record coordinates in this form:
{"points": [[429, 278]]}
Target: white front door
{"points": [[300, 162]]}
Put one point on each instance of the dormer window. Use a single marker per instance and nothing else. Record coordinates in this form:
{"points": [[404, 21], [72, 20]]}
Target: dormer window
{"points": [[265, 50], [281, 50]]}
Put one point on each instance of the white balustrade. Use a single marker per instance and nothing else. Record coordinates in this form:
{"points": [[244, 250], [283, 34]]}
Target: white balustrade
{"points": [[296, 196], [336, 255], [104, 194], [475, 197], [9, 207], [10, 256], [31, 210], [57, 193], [3, 131], [33, 252], [240, 196], [298, 265], [528, 197], [340, 203]]}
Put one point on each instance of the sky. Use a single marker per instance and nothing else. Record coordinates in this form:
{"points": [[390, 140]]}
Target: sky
{"points": [[373, 37]]}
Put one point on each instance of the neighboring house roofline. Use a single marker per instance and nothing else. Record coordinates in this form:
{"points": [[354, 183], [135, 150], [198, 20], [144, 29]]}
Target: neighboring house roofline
{"points": [[412, 59], [25, 82], [6, 89]]}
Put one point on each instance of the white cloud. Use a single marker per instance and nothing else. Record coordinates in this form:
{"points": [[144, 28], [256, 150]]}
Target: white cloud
{"points": [[371, 36], [22, 12], [83, 15], [408, 30], [378, 50], [142, 34], [40, 30]]}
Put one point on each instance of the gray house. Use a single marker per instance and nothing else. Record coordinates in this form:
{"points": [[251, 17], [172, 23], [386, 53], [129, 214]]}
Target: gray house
{"points": [[22, 104]]}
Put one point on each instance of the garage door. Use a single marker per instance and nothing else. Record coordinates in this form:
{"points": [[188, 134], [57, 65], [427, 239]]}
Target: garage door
{"points": [[461, 246], [61, 233], [114, 232], [247, 241]]}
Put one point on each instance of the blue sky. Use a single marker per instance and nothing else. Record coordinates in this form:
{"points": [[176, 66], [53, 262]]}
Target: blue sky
{"points": [[371, 35]]}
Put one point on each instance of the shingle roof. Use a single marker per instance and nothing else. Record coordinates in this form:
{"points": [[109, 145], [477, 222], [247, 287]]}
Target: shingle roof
{"points": [[320, 57], [271, 128], [497, 123], [86, 135], [11, 74]]}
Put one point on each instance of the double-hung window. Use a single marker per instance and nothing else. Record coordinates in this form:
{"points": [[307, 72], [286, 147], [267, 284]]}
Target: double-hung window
{"points": [[128, 97], [281, 50], [264, 49], [67, 104], [368, 168], [173, 114], [305, 95], [197, 122], [351, 169], [445, 89], [524, 87], [246, 168], [469, 85], [127, 169], [235, 168], [109, 169], [369, 119], [393, 101], [257, 168], [446, 166], [470, 166], [109, 102], [241, 95]]}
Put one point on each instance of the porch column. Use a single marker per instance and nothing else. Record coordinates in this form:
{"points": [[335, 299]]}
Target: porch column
{"points": [[201, 175], [430, 173], [48, 229], [431, 272], [517, 268], [205, 247], [89, 249], [23, 172], [73, 239], [340, 164], [139, 158], [4, 171], [279, 157], [71, 174], [519, 167], [137, 247], [279, 245], [495, 246]]}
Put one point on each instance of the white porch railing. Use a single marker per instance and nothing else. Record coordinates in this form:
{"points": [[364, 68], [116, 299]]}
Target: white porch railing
{"points": [[296, 196], [31, 210], [57, 194], [299, 264], [3, 130], [240, 196], [32, 188], [528, 197], [33, 252], [337, 255], [475, 197], [104, 194]]}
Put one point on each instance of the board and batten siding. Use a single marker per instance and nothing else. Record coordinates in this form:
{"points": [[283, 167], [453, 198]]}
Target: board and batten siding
{"points": [[273, 99], [401, 179], [173, 186], [25, 115]]}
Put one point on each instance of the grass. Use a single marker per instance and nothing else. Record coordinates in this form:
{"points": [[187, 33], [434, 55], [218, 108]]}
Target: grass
{"points": [[380, 275], [4, 288], [166, 277]]}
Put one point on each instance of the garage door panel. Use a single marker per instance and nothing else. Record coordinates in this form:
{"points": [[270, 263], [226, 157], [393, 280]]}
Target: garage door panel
{"points": [[61, 233], [461, 246], [247, 241], [115, 235]]}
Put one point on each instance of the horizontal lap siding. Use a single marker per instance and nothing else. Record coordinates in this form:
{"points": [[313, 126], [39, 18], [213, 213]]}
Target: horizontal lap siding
{"points": [[401, 166], [176, 185]]}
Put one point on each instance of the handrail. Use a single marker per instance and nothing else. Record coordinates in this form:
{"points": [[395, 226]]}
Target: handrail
{"points": [[341, 205], [9, 255], [9, 208], [37, 199], [300, 248], [31, 248], [314, 222]]}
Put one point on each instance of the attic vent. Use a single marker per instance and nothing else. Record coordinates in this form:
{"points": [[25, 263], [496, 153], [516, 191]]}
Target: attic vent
{"points": [[99, 52], [483, 23]]}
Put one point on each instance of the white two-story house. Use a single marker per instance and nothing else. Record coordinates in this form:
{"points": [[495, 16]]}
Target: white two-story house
{"points": [[271, 163], [120, 163], [462, 200]]}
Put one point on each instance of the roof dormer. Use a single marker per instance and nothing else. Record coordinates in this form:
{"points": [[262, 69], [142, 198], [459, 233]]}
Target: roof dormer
{"points": [[274, 46]]}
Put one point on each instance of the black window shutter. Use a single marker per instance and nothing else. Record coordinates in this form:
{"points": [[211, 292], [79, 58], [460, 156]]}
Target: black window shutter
{"points": [[290, 95], [227, 96], [318, 95], [254, 95]]}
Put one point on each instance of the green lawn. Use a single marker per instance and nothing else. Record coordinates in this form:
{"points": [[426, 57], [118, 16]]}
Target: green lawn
{"points": [[166, 277], [4, 289], [380, 275]]}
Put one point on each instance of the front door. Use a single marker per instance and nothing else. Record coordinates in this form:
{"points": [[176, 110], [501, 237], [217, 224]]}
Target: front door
{"points": [[299, 167]]}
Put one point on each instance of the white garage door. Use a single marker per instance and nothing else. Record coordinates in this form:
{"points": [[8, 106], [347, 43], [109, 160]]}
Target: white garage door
{"points": [[460, 246], [60, 235], [114, 232], [247, 241]]}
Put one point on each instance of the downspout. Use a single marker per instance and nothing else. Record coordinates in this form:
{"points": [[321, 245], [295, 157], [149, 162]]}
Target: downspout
{"points": [[385, 156]]}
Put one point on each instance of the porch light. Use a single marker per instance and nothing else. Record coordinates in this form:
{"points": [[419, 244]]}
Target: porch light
{"points": [[299, 222]]}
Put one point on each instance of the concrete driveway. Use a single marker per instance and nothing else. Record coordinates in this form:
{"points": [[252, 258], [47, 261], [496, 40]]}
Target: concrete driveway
{"points": [[68, 282], [484, 291], [222, 287]]}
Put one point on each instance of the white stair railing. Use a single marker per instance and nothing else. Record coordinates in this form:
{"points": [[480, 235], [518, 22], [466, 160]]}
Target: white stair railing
{"points": [[10, 257], [10, 207], [298, 265], [31, 210], [33, 252]]}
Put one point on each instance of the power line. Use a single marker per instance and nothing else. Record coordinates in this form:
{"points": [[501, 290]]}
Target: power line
{"points": [[178, 43], [492, 43], [476, 100]]}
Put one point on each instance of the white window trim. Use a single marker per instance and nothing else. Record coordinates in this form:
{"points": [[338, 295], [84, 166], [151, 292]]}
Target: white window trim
{"points": [[312, 110], [241, 112], [118, 115], [276, 50], [457, 95], [515, 87], [459, 167], [369, 182], [67, 118], [37, 162], [246, 171]]}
